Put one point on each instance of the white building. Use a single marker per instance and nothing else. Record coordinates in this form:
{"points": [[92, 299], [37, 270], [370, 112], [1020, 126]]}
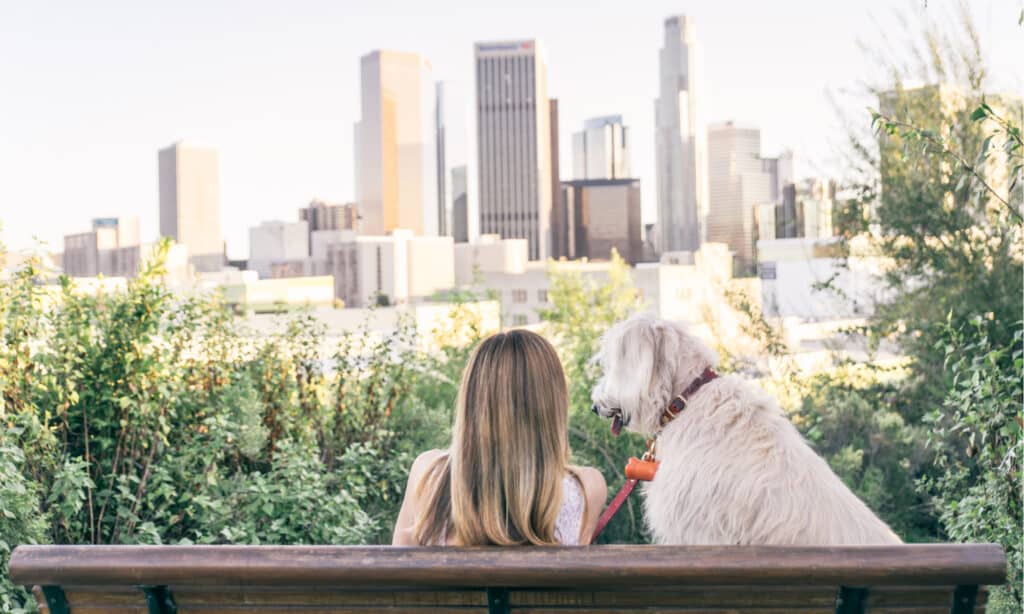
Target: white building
{"points": [[514, 143], [391, 269], [437, 323], [395, 167], [680, 139], [490, 254], [601, 149], [456, 163], [794, 273], [685, 287], [737, 183], [275, 242]]}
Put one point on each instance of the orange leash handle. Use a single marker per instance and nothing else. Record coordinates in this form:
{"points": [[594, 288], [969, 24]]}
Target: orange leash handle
{"points": [[642, 470], [636, 470]]}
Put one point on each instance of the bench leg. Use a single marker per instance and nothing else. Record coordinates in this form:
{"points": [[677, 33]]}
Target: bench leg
{"points": [[964, 598], [851, 600], [497, 601], [55, 600], [159, 600]]}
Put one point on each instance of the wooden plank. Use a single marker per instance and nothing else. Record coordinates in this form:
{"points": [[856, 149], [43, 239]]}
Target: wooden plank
{"points": [[188, 597], [710, 596], [597, 567]]}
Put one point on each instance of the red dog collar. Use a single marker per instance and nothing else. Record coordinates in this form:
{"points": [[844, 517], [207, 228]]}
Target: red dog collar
{"points": [[678, 404]]}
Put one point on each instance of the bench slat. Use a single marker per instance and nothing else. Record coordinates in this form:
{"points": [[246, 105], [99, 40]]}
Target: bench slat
{"points": [[598, 567]]}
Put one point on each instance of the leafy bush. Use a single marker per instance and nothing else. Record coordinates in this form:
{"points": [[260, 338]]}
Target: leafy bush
{"points": [[976, 434]]}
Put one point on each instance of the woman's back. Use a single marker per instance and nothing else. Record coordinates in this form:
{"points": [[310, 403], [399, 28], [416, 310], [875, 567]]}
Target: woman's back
{"points": [[583, 496], [503, 479]]}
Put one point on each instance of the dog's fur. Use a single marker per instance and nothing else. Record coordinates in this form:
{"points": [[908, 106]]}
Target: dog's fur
{"points": [[734, 469]]}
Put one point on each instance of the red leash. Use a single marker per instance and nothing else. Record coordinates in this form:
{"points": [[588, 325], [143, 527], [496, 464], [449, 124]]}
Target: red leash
{"points": [[613, 508]]}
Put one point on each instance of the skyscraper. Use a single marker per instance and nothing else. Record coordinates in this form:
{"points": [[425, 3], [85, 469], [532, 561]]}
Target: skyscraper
{"points": [[395, 168], [190, 203], [514, 143], [680, 139], [737, 183], [456, 162], [601, 149]]}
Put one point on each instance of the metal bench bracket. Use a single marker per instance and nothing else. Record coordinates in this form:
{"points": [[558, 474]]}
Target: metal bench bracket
{"points": [[497, 601], [159, 600], [964, 598], [55, 600], [851, 600]]}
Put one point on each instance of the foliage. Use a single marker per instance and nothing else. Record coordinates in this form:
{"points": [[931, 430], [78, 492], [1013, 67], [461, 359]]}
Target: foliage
{"points": [[976, 433], [940, 193], [937, 191], [145, 416]]}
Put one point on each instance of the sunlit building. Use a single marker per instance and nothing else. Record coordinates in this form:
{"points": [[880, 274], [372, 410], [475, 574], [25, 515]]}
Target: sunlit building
{"points": [[395, 168]]}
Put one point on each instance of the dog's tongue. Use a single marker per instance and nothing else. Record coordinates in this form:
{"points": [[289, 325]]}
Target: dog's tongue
{"points": [[616, 425]]}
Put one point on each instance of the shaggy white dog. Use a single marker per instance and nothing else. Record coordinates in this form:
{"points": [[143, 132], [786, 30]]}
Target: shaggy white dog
{"points": [[734, 469]]}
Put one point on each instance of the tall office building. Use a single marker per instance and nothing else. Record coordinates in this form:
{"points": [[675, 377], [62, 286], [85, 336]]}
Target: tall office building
{"points": [[190, 203], [514, 143], [737, 184], [395, 168], [456, 162], [601, 149], [680, 140]]}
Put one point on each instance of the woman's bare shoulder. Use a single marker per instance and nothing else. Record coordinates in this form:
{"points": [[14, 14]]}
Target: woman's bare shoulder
{"points": [[594, 485], [424, 462]]}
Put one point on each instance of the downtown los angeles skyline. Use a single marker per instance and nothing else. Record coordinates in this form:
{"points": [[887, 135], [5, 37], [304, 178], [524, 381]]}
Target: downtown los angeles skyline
{"points": [[98, 91]]}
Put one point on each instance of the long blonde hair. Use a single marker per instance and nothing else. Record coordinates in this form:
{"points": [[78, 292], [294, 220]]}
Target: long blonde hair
{"points": [[501, 481]]}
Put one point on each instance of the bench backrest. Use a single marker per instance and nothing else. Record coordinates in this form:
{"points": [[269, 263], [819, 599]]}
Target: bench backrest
{"points": [[622, 579]]}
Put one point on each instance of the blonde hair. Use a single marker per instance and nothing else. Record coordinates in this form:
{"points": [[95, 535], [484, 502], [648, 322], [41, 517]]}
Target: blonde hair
{"points": [[501, 481]]}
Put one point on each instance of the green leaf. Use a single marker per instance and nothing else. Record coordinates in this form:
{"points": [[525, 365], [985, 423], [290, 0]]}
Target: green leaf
{"points": [[978, 114]]}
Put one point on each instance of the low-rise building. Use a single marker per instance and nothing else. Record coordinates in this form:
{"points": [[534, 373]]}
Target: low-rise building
{"points": [[814, 279], [390, 269], [275, 241]]}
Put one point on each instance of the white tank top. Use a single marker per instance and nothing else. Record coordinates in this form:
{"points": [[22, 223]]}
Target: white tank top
{"points": [[569, 521]]}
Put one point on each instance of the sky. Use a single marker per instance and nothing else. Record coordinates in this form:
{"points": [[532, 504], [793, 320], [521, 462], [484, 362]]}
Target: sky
{"points": [[89, 91]]}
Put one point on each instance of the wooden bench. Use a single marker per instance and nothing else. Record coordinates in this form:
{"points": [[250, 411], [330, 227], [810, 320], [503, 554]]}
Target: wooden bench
{"points": [[620, 579]]}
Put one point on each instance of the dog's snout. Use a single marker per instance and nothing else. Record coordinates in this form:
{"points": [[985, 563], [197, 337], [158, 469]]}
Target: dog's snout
{"points": [[595, 409]]}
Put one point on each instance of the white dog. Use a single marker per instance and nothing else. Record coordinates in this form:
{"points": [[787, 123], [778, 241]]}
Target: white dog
{"points": [[733, 468]]}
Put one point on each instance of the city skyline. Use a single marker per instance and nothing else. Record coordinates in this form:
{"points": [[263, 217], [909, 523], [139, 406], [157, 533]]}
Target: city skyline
{"points": [[173, 76]]}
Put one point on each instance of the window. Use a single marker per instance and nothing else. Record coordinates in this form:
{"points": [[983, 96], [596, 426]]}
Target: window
{"points": [[542, 295], [519, 319], [519, 296]]}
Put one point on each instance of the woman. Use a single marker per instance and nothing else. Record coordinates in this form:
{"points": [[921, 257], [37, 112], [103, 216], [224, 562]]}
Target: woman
{"points": [[506, 478]]}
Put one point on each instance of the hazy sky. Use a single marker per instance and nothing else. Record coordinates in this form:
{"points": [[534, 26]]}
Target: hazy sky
{"points": [[90, 90]]}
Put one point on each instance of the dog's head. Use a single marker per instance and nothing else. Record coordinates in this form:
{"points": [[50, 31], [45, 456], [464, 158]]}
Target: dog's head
{"points": [[645, 362]]}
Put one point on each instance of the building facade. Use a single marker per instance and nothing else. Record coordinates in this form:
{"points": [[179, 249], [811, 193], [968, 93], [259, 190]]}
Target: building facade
{"points": [[680, 140], [88, 254], [320, 215], [514, 143], [456, 162], [737, 184], [385, 270], [275, 242], [601, 149], [190, 203], [395, 168], [603, 214]]}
